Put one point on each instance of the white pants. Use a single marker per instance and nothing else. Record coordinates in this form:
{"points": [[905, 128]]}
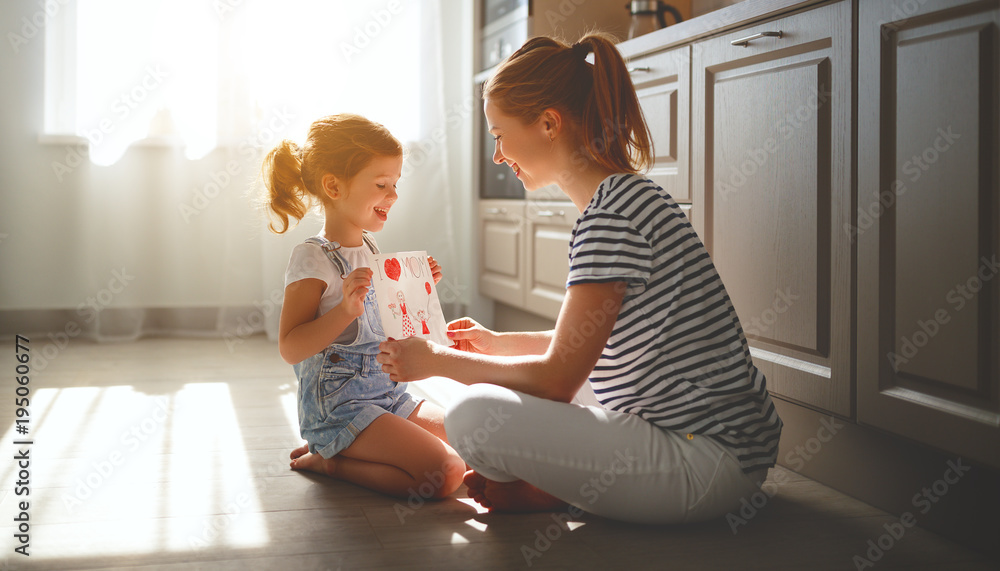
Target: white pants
{"points": [[608, 463]]}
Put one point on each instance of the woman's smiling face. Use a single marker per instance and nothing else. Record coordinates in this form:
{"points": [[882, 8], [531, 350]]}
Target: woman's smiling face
{"points": [[524, 148]]}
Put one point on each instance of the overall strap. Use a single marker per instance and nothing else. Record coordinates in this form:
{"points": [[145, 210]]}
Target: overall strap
{"points": [[370, 242], [331, 252]]}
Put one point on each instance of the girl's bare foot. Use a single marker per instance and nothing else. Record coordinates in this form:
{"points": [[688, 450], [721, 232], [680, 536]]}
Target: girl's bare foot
{"points": [[510, 497], [303, 460], [300, 451]]}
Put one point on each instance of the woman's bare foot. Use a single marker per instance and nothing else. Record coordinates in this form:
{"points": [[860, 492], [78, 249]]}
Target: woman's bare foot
{"points": [[303, 460], [510, 497]]}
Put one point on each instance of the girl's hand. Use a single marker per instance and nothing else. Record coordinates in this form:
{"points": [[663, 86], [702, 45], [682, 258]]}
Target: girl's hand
{"points": [[435, 269], [406, 360], [355, 287], [470, 336]]}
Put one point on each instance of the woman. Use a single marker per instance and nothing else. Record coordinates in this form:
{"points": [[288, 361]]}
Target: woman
{"points": [[687, 427]]}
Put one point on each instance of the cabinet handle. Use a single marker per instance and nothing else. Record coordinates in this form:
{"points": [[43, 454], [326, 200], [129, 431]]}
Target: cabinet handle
{"points": [[496, 211], [549, 213], [745, 42], [638, 69]]}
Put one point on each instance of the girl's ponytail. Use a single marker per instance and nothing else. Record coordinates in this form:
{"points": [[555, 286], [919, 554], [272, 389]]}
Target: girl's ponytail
{"points": [[285, 194], [546, 73], [616, 131]]}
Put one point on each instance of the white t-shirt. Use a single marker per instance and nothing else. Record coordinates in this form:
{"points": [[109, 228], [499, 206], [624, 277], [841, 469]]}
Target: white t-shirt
{"points": [[310, 261]]}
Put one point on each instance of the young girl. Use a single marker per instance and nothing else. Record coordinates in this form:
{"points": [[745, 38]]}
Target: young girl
{"points": [[687, 427], [359, 426]]}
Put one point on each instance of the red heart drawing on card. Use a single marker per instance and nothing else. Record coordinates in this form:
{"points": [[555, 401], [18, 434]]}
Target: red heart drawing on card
{"points": [[393, 269], [427, 286]]}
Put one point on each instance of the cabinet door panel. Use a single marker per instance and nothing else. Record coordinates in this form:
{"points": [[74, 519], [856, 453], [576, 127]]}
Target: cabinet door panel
{"points": [[762, 205], [663, 85], [771, 177], [502, 250], [927, 226], [548, 231]]}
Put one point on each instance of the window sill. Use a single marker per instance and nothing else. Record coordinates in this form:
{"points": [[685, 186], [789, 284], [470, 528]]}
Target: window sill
{"points": [[156, 142]]}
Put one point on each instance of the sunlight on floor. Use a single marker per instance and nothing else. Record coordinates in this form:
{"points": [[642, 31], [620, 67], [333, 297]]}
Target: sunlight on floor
{"points": [[156, 472]]}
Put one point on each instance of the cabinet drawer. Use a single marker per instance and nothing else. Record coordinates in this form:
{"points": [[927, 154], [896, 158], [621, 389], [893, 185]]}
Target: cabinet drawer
{"points": [[502, 245], [548, 233], [658, 67]]}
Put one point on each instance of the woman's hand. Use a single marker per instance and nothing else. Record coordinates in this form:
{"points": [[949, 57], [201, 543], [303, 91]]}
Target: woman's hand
{"points": [[470, 336], [406, 360], [355, 288], [435, 269]]}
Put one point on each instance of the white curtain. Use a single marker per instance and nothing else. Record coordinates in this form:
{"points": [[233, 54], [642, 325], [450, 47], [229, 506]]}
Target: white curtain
{"points": [[145, 223]]}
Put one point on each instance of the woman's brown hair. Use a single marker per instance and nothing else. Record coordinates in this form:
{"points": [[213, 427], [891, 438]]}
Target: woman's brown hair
{"points": [[340, 145], [547, 73]]}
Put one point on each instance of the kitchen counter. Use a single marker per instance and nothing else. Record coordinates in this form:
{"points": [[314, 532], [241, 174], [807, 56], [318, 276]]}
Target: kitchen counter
{"points": [[721, 20]]}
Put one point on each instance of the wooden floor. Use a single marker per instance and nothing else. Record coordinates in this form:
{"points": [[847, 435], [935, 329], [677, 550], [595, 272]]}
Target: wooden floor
{"points": [[172, 454]]}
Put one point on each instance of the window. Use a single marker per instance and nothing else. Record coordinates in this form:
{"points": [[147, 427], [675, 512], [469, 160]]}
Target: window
{"points": [[211, 73]]}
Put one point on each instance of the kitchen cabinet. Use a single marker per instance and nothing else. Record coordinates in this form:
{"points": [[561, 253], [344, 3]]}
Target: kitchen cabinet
{"points": [[663, 84], [771, 156], [548, 234], [928, 224], [501, 239], [525, 245]]}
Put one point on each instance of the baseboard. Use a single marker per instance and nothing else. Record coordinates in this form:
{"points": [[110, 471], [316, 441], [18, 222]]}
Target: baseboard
{"points": [[895, 475]]}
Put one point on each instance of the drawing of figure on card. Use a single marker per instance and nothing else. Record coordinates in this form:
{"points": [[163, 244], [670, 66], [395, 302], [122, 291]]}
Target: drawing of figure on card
{"points": [[408, 301]]}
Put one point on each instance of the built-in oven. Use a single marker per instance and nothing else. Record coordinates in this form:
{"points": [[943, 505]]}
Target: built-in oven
{"points": [[493, 10], [495, 181]]}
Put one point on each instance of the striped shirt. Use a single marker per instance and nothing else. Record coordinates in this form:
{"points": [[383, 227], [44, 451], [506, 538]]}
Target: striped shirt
{"points": [[677, 356]]}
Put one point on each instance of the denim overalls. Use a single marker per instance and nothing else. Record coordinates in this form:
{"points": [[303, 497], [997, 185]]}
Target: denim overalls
{"points": [[342, 389]]}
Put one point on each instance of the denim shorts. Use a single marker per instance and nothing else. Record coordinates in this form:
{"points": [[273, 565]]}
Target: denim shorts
{"points": [[342, 390]]}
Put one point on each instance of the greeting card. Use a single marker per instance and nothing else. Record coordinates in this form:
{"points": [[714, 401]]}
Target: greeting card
{"points": [[407, 299]]}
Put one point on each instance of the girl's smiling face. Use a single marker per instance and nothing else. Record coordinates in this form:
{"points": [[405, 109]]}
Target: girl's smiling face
{"points": [[524, 148], [363, 203]]}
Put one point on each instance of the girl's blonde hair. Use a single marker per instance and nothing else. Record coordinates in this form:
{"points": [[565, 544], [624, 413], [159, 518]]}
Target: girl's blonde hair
{"points": [[547, 73], [340, 145]]}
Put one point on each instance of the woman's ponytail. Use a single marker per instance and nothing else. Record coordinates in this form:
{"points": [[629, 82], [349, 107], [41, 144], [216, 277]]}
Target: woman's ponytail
{"points": [[616, 131], [546, 73]]}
